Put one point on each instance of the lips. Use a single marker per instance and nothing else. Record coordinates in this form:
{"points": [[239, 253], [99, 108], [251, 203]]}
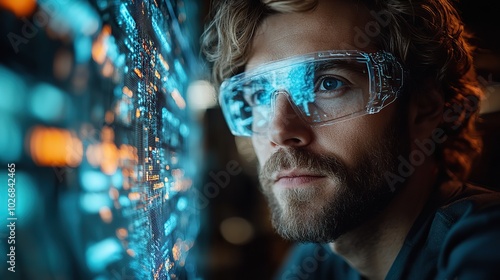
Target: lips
{"points": [[296, 177]]}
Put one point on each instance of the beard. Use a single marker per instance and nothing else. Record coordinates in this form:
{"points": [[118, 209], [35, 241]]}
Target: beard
{"points": [[322, 212]]}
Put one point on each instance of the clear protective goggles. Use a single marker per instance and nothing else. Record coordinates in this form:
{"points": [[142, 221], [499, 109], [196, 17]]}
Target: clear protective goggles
{"points": [[323, 88]]}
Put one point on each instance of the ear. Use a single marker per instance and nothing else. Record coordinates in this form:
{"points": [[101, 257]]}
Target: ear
{"points": [[425, 113]]}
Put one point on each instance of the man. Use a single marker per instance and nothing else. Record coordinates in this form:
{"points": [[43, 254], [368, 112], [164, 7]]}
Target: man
{"points": [[362, 117]]}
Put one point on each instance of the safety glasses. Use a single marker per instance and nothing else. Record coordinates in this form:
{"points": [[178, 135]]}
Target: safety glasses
{"points": [[323, 88]]}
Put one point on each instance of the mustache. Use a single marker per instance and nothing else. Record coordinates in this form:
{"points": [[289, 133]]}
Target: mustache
{"points": [[288, 158]]}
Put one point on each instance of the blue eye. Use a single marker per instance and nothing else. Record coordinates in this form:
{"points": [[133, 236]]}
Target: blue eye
{"points": [[330, 83], [261, 97]]}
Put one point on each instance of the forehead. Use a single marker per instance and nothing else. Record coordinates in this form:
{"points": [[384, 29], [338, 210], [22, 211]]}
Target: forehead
{"points": [[332, 25]]}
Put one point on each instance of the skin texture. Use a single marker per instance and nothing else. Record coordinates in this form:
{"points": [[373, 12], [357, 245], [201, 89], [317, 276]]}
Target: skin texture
{"points": [[368, 239]]}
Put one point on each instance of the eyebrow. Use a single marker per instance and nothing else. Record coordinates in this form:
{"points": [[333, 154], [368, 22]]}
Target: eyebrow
{"points": [[350, 66]]}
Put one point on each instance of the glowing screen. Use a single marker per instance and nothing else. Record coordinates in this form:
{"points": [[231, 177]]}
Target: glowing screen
{"points": [[96, 139]]}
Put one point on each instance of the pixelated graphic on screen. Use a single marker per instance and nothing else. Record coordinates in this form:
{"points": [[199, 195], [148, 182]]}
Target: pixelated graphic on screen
{"points": [[94, 118]]}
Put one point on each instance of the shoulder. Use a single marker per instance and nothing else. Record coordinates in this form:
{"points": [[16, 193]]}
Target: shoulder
{"points": [[314, 261], [471, 247]]}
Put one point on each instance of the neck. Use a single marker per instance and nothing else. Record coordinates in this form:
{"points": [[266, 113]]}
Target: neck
{"points": [[372, 247]]}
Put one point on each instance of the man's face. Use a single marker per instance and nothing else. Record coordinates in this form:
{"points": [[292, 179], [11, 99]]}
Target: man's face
{"points": [[323, 181]]}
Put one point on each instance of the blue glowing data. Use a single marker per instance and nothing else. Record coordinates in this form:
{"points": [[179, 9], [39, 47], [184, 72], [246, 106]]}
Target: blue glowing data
{"points": [[94, 113]]}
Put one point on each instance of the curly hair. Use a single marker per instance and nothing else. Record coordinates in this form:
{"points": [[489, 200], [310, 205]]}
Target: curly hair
{"points": [[427, 36]]}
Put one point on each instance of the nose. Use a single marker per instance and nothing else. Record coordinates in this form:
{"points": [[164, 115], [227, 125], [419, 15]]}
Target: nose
{"points": [[286, 128]]}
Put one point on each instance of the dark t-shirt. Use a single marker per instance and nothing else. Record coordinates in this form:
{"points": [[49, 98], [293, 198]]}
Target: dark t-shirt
{"points": [[457, 236]]}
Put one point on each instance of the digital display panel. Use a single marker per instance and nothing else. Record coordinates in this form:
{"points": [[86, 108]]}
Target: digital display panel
{"points": [[97, 139]]}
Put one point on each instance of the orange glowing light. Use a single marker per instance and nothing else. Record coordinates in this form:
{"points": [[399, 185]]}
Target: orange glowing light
{"points": [[106, 214], [178, 173], [134, 196], [137, 113], [157, 74], [55, 147], [127, 92], [109, 117], [107, 134], [128, 155], [21, 8], [165, 64], [158, 185], [106, 30], [126, 185], [138, 72], [94, 155], [121, 233], [113, 193], [105, 154], [181, 103], [176, 252], [108, 69], [100, 45], [131, 252], [109, 162]]}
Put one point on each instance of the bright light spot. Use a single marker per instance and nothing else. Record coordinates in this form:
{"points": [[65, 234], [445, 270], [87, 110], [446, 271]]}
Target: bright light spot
{"points": [[245, 148], [163, 62], [94, 181], [138, 72], [182, 203], [103, 253], [47, 102], [93, 202], [178, 99], [117, 180], [491, 102], [201, 95], [107, 69], [100, 45], [83, 49], [21, 8], [236, 230], [127, 92], [106, 214], [109, 117], [131, 252], [170, 224], [124, 201], [121, 233], [134, 196], [55, 147]]}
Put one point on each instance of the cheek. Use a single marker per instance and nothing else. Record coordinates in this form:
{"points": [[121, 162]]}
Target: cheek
{"points": [[352, 140], [344, 140]]}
